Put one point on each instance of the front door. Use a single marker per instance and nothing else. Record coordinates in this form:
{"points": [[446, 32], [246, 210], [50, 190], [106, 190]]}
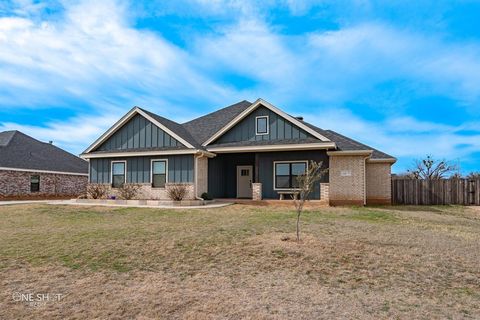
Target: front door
{"points": [[244, 181]]}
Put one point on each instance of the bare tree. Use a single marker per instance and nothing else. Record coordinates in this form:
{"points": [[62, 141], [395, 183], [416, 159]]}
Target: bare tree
{"points": [[306, 185], [432, 169]]}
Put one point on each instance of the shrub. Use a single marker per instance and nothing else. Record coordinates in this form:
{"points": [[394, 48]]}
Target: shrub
{"points": [[206, 196], [128, 191], [96, 191], [176, 192]]}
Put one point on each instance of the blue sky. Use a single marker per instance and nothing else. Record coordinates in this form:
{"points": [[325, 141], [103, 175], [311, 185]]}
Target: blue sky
{"points": [[401, 76]]}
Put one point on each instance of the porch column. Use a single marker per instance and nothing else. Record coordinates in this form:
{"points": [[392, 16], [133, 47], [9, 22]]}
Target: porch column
{"points": [[256, 191]]}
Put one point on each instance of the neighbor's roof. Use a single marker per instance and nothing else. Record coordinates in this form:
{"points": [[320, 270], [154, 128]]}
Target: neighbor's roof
{"points": [[19, 151]]}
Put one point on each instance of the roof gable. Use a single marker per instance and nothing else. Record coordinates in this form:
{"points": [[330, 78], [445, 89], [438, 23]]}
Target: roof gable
{"points": [[274, 109], [139, 133], [173, 129], [279, 129]]}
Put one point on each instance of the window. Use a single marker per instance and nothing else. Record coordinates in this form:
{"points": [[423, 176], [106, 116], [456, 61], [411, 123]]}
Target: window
{"points": [[261, 125], [244, 172], [159, 173], [286, 174], [118, 174], [34, 183]]}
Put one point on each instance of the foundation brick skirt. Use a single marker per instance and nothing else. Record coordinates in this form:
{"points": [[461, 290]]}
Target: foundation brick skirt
{"points": [[146, 192]]}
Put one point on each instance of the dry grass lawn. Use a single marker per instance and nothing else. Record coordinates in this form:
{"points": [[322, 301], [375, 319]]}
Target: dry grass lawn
{"points": [[362, 263]]}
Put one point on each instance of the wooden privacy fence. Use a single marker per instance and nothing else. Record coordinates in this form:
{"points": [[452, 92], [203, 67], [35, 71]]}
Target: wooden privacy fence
{"points": [[431, 192]]}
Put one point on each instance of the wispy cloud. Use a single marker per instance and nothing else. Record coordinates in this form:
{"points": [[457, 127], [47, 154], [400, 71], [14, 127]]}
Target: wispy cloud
{"points": [[359, 78]]}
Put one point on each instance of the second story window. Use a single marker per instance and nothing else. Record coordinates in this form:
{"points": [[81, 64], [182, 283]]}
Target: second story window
{"points": [[261, 125]]}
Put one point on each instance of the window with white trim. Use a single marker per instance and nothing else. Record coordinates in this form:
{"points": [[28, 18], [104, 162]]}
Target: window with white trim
{"points": [[286, 174], [118, 174], [159, 173], [261, 125]]}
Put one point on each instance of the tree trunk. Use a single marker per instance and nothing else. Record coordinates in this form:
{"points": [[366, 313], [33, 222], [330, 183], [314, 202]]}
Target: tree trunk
{"points": [[298, 226]]}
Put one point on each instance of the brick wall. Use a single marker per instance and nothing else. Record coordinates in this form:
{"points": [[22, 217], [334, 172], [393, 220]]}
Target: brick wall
{"points": [[146, 192], [16, 184], [324, 191], [379, 186], [256, 191], [347, 180], [202, 175]]}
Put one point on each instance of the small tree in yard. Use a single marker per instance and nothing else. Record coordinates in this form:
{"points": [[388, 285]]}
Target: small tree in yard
{"points": [[306, 185]]}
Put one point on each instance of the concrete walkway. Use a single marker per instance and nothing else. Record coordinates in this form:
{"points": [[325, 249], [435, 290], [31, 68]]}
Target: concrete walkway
{"points": [[73, 203], [14, 202]]}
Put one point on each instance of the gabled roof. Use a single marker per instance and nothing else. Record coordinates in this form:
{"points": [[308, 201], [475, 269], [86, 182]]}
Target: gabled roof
{"points": [[201, 133], [174, 129], [19, 151], [251, 108], [206, 126]]}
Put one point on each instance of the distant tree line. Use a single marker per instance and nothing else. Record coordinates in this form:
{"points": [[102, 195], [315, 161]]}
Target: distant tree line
{"points": [[434, 169]]}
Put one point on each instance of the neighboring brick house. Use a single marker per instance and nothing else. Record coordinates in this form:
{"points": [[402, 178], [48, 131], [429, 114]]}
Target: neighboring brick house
{"points": [[246, 150], [33, 169]]}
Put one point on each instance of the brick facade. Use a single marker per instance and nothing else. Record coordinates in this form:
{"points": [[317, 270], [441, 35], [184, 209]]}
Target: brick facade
{"points": [[379, 185], [16, 185], [202, 175], [347, 180], [146, 192]]}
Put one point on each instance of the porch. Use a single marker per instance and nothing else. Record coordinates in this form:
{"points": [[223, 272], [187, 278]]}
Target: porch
{"points": [[254, 176]]}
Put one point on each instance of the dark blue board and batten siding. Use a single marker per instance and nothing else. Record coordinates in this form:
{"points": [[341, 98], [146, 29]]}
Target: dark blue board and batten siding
{"points": [[279, 129], [139, 133], [180, 169], [222, 170]]}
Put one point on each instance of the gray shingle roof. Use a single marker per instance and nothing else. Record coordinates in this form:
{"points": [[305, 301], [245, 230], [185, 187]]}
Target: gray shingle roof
{"points": [[265, 143], [346, 144], [17, 150], [180, 130], [204, 127]]}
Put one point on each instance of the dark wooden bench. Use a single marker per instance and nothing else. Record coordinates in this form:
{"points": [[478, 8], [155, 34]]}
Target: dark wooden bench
{"points": [[293, 194]]}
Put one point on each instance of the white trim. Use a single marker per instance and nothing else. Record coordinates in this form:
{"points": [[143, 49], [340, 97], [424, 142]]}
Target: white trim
{"points": [[44, 171], [88, 160], [279, 147], [350, 153], [268, 105], [256, 126], [143, 153], [274, 175], [111, 171], [386, 160], [151, 172], [127, 117]]}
